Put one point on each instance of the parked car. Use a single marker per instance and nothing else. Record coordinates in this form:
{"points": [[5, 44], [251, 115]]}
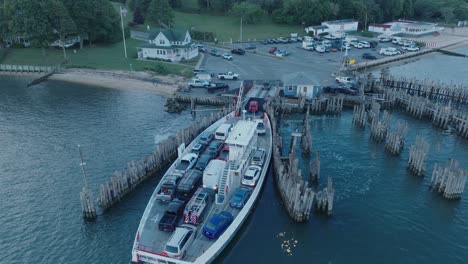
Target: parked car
{"points": [[216, 86], [385, 39], [345, 46], [368, 56], [206, 138], [179, 242], [198, 83], [272, 50], [203, 162], [282, 40], [228, 76], [344, 79], [240, 197], [250, 47], [215, 148], [264, 42], [171, 217], [227, 56], [253, 106], [373, 44], [365, 44], [198, 149], [411, 48], [200, 71], [168, 188], [215, 53], [202, 49], [281, 53], [186, 163], [251, 176], [187, 186], [258, 157], [261, 130], [238, 51], [320, 49], [217, 224]]}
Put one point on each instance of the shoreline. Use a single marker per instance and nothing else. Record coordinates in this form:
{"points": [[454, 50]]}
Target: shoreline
{"points": [[113, 79], [122, 80]]}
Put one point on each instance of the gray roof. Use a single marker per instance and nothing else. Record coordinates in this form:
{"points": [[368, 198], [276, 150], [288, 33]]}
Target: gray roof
{"points": [[340, 21], [298, 78], [319, 27], [153, 46], [171, 34]]}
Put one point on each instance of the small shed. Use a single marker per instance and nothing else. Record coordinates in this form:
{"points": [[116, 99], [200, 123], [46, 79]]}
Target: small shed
{"points": [[299, 84]]}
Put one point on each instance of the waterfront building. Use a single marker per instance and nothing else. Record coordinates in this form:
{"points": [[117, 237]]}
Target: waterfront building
{"points": [[334, 26], [168, 44], [405, 28]]}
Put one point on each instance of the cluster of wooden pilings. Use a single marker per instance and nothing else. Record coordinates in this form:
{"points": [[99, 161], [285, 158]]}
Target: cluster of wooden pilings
{"points": [[436, 91], [126, 180], [461, 124], [314, 168], [395, 140], [448, 181], [324, 198], [334, 104], [360, 115], [374, 111], [379, 127], [87, 204], [417, 156], [296, 194], [306, 137], [441, 117], [201, 100]]}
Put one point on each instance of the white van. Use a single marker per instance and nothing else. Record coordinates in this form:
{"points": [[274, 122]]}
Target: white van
{"points": [[222, 132], [212, 174]]}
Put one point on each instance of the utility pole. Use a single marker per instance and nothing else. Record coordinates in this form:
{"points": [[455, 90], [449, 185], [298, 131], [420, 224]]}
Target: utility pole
{"points": [[241, 30], [123, 31]]}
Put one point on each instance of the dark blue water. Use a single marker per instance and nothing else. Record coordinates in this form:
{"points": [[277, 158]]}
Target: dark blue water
{"points": [[381, 214], [40, 179]]}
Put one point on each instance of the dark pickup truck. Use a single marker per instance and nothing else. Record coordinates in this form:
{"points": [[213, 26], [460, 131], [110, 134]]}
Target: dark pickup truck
{"points": [[171, 216], [216, 86]]}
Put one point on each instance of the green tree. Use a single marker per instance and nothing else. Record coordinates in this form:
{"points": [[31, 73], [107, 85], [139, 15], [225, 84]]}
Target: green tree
{"points": [[160, 12], [62, 24], [250, 13]]}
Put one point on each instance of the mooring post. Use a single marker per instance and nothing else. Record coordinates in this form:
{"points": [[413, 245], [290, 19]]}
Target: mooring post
{"points": [[86, 196]]}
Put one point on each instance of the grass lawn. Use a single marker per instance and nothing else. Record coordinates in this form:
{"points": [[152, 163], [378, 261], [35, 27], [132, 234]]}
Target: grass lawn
{"points": [[109, 57], [227, 27]]}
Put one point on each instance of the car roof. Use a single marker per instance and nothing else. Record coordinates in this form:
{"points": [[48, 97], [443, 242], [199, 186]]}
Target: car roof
{"points": [[178, 234], [241, 190]]}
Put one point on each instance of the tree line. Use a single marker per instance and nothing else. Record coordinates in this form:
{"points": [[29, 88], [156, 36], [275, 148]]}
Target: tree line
{"points": [[43, 21], [310, 12]]}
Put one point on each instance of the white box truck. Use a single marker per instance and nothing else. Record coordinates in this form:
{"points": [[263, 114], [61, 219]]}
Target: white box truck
{"points": [[212, 173]]}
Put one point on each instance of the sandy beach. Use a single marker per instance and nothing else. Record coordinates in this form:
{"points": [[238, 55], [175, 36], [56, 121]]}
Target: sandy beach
{"points": [[164, 85]]}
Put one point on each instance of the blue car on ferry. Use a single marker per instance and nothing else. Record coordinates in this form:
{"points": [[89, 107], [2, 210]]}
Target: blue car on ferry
{"points": [[217, 224]]}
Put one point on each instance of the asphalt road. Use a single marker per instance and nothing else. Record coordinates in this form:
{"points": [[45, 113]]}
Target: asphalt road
{"points": [[318, 66]]}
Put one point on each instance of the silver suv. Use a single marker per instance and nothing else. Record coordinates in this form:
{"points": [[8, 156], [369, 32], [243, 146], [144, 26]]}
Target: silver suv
{"points": [[180, 241], [258, 157]]}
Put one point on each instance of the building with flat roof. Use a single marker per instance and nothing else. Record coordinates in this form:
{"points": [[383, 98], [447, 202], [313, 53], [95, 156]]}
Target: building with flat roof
{"points": [[334, 26], [405, 28]]}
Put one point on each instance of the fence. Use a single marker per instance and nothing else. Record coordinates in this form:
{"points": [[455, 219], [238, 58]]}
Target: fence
{"points": [[26, 68]]}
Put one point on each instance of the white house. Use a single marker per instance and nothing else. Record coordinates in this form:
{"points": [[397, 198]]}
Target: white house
{"points": [[168, 44], [405, 28], [299, 84], [334, 26]]}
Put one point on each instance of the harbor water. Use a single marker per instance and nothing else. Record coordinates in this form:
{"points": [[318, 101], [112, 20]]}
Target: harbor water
{"points": [[381, 213]]}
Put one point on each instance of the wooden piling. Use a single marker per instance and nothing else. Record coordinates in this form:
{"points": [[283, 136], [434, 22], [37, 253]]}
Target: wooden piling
{"points": [[449, 181], [417, 156], [395, 139]]}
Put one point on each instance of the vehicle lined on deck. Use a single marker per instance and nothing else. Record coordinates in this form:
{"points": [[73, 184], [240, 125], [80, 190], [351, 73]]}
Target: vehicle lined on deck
{"points": [[203, 162], [171, 217], [168, 188], [240, 197], [206, 138], [198, 206], [217, 224], [189, 183], [251, 175], [182, 238], [186, 163]]}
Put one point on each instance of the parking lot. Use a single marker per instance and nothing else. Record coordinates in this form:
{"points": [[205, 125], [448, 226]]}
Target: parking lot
{"points": [[262, 65]]}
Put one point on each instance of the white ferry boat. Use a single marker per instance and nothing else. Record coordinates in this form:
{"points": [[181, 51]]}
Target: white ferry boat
{"points": [[196, 236]]}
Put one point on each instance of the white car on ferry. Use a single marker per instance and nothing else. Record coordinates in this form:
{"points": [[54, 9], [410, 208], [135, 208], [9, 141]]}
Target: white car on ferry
{"points": [[251, 175]]}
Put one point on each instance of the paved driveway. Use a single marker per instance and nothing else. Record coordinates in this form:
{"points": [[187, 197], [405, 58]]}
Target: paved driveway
{"points": [[318, 66]]}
